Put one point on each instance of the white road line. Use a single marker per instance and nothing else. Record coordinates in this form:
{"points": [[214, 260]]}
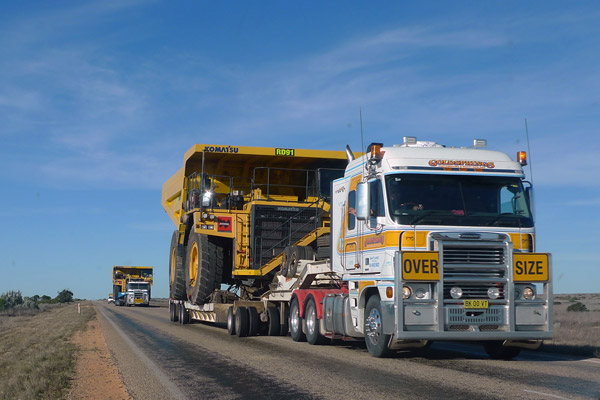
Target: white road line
{"points": [[546, 395], [163, 379]]}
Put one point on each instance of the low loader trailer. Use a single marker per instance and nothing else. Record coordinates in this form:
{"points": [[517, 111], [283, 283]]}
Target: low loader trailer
{"points": [[402, 246]]}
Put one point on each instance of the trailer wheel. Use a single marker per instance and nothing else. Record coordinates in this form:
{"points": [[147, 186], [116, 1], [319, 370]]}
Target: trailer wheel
{"points": [[184, 315], [204, 267], [285, 323], [173, 312], [230, 321], [273, 327], [252, 321], [176, 269], [296, 322], [313, 333], [377, 341], [496, 351], [241, 322]]}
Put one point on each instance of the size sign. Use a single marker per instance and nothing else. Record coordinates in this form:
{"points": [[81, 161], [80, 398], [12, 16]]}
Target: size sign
{"points": [[530, 267]]}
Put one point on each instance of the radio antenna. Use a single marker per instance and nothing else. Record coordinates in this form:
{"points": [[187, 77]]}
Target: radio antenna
{"points": [[362, 141], [529, 151]]}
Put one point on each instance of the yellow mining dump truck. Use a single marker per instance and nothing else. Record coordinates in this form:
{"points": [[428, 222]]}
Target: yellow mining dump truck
{"points": [[123, 275], [238, 212]]}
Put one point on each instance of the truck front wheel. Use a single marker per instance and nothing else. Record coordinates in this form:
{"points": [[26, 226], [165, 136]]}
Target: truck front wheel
{"points": [[377, 341], [296, 322]]}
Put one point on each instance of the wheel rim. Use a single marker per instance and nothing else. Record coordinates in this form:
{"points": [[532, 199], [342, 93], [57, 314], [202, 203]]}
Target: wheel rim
{"points": [[172, 271], [310, 319], [193, 264], [373, 326], [295, 318]]}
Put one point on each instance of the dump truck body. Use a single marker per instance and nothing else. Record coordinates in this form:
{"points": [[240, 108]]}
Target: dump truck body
{"points": [[236, 209]]}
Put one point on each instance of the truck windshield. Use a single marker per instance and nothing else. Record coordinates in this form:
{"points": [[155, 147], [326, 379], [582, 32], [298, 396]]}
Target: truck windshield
{"points": [[463, 200], [138, 286]]}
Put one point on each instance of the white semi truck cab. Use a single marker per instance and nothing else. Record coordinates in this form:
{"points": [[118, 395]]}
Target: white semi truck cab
{"points": [[138, 293], [438, 243]]}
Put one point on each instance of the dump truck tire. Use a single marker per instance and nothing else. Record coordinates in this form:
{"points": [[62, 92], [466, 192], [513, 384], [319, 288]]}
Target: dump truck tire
{"points": [[176, 270], [204, 268]]}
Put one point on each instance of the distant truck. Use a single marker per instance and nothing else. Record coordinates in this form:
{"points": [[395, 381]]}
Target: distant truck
{"points": [[122, 275], [401, 246], [138, 294]]}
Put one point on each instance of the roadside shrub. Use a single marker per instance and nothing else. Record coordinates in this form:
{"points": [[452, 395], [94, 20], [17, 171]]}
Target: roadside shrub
{"points": [[12, 298], [577, 307]]}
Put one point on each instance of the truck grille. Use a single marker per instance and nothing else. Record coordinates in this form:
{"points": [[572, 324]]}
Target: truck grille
{"points": [[474, 269]]}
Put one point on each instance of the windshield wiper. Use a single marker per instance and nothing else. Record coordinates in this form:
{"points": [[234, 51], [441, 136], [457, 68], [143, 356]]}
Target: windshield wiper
{"points": [[426, 214], [499, 217]]}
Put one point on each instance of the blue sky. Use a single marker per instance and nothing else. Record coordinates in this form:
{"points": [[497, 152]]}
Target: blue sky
{"points": [[99, 101]]}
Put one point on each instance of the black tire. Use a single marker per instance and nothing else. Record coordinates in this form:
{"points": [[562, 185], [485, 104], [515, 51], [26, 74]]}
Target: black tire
{"points": [[496, 351], [377, 342], [253, 321], [184, 315], [176, 269], [295, 323], [273, 325], [173, 312], [313, 324], [230, 321], [297, 253], [204, 267], [242, 324], [285, 322]]}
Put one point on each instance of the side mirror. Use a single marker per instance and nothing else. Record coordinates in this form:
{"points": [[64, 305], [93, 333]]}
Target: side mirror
{"points": [[206, 199], [363, 208]]}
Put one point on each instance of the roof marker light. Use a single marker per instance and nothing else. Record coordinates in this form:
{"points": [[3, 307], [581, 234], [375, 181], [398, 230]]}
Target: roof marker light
{"points": [[410, 140], [479, 143]]}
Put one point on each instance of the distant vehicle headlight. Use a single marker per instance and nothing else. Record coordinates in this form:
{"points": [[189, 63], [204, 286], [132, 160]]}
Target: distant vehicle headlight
{"points": [[456, 292]]}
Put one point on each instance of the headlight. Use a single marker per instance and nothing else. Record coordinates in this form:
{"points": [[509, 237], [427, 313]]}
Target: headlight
{"points": [[528, 293], [406, 292], [420, 293], [517, 293], [456, 292], [493, 293]]}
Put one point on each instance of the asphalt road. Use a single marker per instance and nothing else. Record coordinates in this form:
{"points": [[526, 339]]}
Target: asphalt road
{"points": [[159, 359]]}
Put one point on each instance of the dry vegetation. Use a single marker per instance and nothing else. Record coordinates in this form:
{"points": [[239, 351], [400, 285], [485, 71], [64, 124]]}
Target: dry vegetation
{"points": [[576, 332], [37, 357]]}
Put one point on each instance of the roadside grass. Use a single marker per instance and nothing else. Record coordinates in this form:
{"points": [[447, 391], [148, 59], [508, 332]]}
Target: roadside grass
{"points": [[37, 358], [576, 332]]}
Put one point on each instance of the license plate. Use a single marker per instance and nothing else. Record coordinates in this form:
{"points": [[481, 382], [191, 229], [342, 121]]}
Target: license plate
{"points": [[476, 304], [138, 301]]}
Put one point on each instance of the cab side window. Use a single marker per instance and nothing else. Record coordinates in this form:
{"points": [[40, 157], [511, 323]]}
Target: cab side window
{"points": [[376, 198], [352, 210]]}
